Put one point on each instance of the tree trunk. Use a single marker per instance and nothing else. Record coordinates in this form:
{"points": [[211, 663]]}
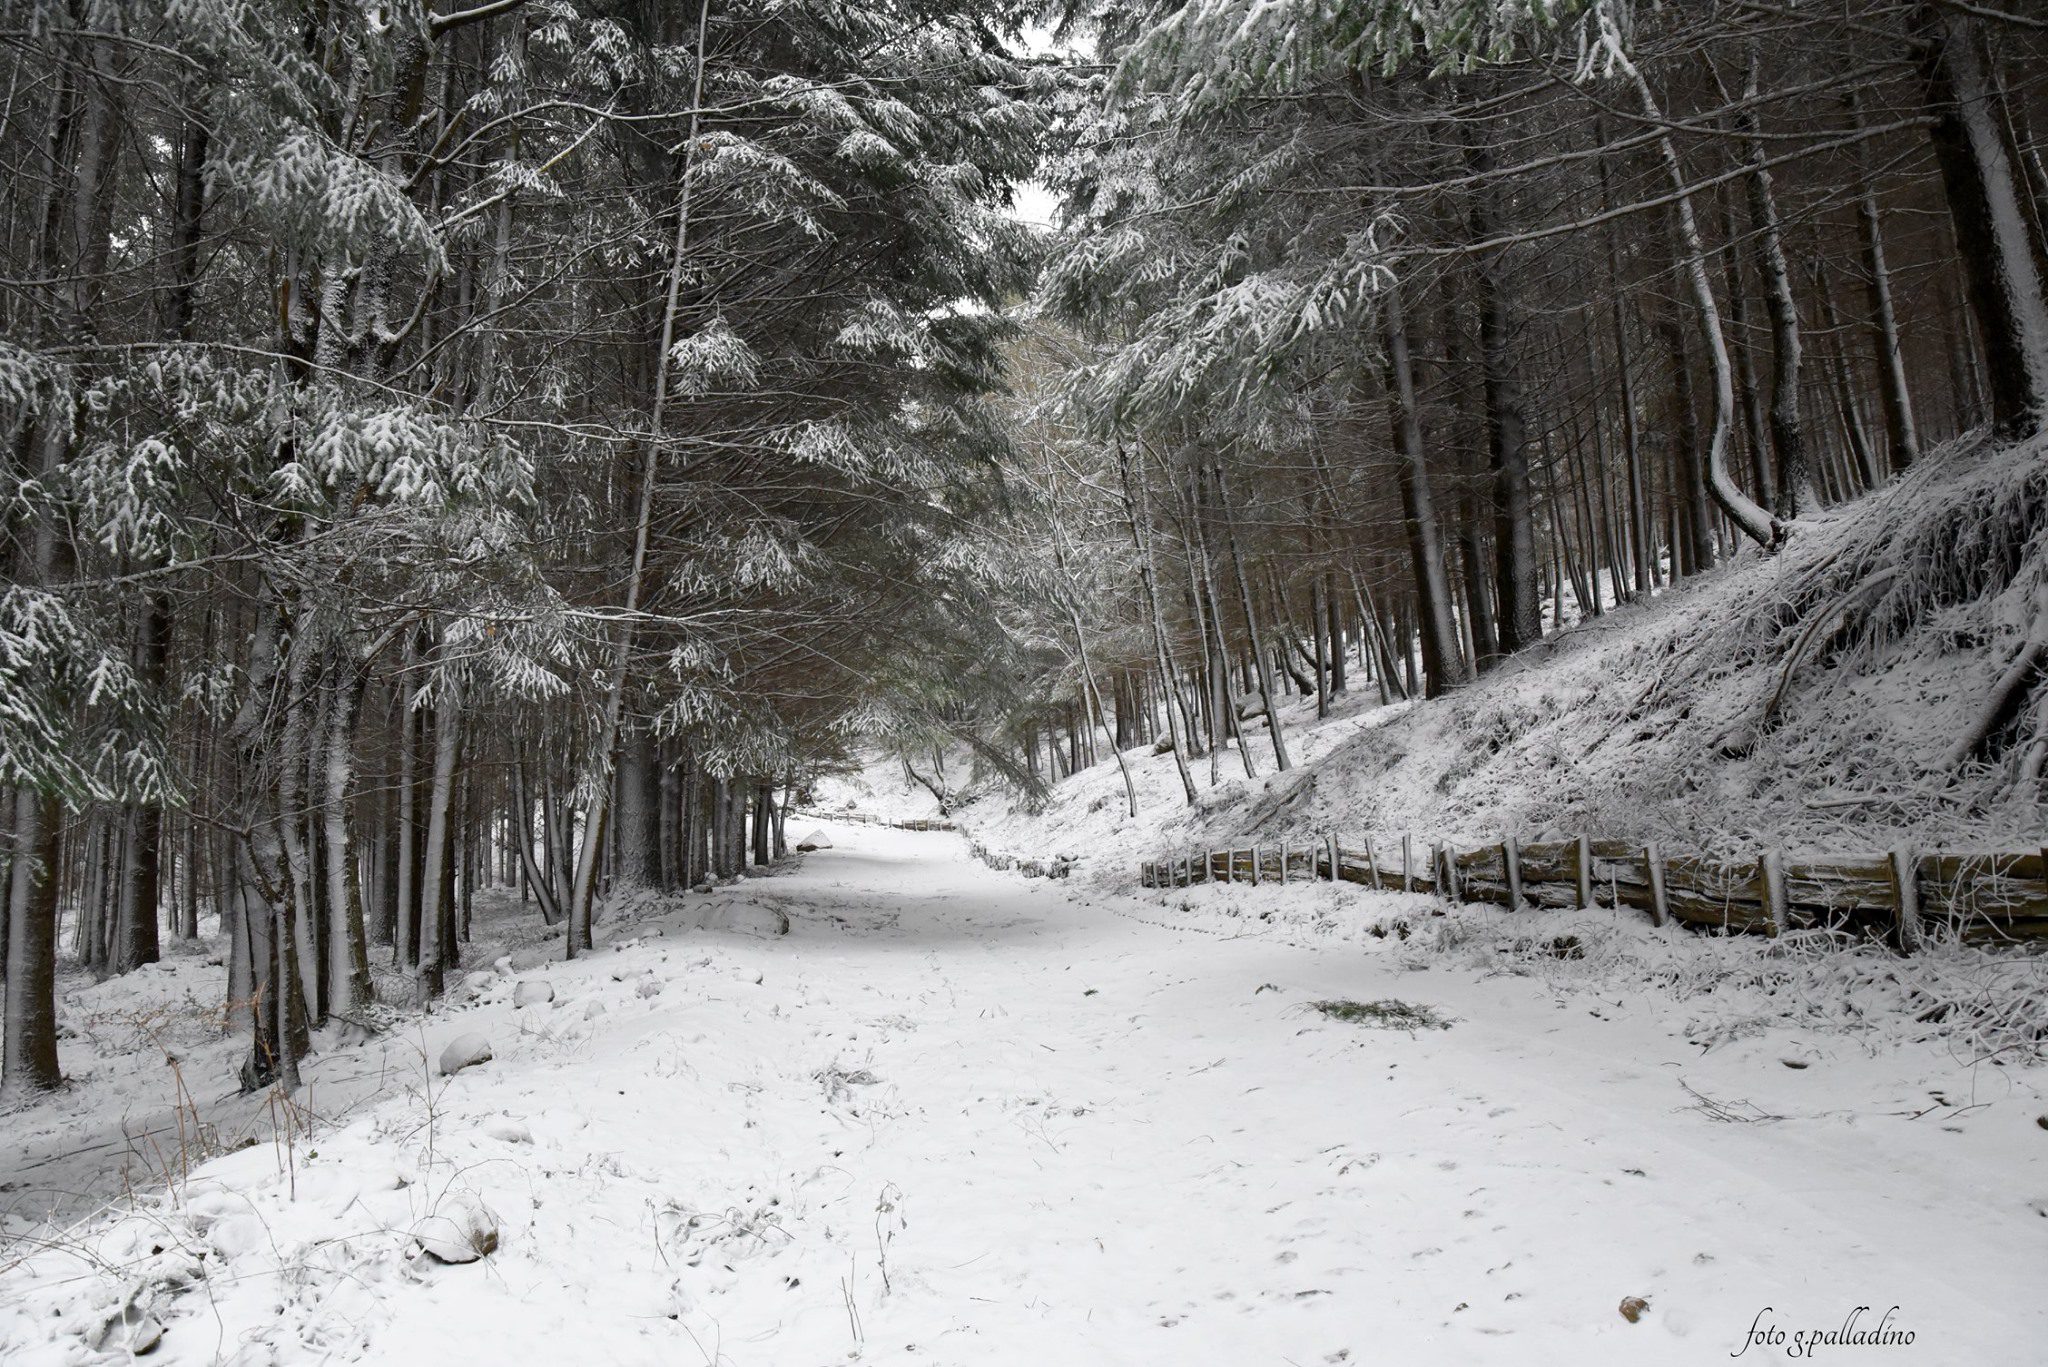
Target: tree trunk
{"points": [[1441, 659], [1749, 518], [639, 801], [1998, 261], [1251, 626], [348, 963], [1902, 435], [434, 908], [1518, 620], [1135, 516], [28, 1062], [1788, 438]]}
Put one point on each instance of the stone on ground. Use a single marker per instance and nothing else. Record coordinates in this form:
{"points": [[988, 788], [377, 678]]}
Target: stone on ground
{"points": [[464, 1051], [459, 1231]]}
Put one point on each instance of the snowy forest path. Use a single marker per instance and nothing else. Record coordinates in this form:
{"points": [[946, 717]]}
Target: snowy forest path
{"points": [[955, 1116], [1120, 1139]]}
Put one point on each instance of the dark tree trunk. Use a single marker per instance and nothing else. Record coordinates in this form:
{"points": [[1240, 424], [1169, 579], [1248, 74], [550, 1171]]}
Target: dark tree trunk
{"points": [[1998, 260]]}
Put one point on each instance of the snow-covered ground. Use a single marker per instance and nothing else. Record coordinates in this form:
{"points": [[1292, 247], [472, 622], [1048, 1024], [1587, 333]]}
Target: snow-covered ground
{"points": [[959, 1117]]}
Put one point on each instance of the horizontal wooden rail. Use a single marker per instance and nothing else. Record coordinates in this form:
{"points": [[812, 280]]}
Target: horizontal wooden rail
{"points": [[1900, 894]]}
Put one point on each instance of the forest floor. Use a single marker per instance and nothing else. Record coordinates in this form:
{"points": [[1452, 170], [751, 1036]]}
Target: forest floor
{"points": [[959, 1117]]}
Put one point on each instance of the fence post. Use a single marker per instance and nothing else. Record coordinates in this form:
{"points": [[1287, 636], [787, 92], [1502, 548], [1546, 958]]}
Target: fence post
{"points": [[1372, 864], [1283, 863], [1585, 862], [1660, 905], [1255, 866], [1511, 860], [1407, 862], [1771, 874], [1446, 875], [1333, 858], [1906, 900]]}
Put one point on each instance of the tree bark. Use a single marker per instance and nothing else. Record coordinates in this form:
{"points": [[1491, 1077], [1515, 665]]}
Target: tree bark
{"points": [[434, 908], [1518, 620], [1442, 660], [1999, 267]]}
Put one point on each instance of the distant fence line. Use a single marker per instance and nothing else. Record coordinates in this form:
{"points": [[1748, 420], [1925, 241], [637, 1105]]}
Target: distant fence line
{"points": [[1900, 894]]}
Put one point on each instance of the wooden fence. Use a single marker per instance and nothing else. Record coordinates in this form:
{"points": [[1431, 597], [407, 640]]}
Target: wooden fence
{"points": [[1900, 894]]}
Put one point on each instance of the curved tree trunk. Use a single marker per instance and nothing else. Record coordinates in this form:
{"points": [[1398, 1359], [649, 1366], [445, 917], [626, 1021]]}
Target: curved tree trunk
{"points": [[1748, 516]]}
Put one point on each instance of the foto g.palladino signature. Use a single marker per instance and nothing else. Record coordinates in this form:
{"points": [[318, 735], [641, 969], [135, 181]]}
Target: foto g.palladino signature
{"points": [[1855, 1331]]}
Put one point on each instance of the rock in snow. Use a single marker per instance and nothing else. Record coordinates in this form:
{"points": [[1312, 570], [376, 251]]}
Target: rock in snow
{"points": [[506, 1130], [533, 992], [131, 1330], [746, 918], [816, 840], [649, 987], [463, 1051], [460, 1231]]}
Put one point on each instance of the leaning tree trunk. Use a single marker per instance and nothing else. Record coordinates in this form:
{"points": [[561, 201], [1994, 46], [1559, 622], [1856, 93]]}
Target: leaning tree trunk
{"points": [[583, 894], [1750, 518]]}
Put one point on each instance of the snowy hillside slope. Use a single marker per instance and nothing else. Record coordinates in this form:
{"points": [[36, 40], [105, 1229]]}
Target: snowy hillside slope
{"points": [[1815, 699]]}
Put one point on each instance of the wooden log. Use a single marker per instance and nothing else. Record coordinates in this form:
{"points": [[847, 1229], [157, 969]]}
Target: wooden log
{"points": [[1660, 905], [1511, 860], [1906, 902], [1844, 888], [1705, 892]]}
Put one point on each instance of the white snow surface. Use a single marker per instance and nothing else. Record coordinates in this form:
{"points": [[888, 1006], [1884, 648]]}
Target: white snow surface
{"points": [[960, 1117]]}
